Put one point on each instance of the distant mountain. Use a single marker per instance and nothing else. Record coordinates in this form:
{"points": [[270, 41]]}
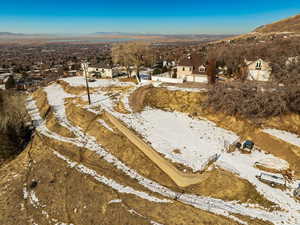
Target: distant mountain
{"points": [[179, 36], [118, 33], [11, 34], [291, 24]]}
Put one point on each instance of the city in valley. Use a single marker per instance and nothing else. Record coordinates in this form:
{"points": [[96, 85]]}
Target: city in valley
{"points": [[156, 113]]}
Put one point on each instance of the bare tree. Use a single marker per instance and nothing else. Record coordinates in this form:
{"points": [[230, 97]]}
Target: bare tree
{"points": [[119, 56], [211, 71], [134, 54]]}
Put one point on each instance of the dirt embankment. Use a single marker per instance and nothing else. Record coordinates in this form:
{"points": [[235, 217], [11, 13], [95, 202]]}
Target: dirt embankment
{"points": [[137, 98], [61, 194], [46, 112], [57, 199], [70, 89], [218, 184], [190, 102], [40, 97]]}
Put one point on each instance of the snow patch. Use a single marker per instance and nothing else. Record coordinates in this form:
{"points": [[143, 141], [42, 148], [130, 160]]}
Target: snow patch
{"points": [[115, 201], [80, 81], [103, 123], [284, 135], [109, 182]]}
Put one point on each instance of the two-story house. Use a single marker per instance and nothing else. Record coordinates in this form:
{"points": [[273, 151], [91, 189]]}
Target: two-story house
{"points": [[192, 68], [258, 70]]}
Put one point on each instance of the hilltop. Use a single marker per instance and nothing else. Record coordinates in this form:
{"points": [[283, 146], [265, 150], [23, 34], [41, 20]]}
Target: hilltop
{"points": [[107, 163], [291, 24]]}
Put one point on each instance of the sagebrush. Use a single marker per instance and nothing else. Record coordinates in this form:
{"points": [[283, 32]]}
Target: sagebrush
{"points": [[252, 100]]}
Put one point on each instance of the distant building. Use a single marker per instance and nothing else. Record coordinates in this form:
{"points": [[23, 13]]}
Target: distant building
{"points": [[292, 60], [192, 68], [168, 64], [258, 70], [101, 71]]}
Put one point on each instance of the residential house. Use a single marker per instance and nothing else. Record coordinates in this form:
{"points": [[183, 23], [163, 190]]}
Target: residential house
{"points": [[192, 68], [168, 64], [101, 71], [258, 70], [292, 60]]}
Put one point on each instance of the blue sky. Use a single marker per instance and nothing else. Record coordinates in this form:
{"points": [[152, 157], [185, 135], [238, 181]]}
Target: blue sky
{"points": [[151, 16]]}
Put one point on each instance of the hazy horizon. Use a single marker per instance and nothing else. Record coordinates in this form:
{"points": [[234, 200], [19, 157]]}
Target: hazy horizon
{"points": [[160, 17]]}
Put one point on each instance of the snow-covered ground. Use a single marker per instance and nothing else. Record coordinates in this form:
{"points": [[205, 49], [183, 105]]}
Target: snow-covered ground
{"points": [[168, 131], [80, 81], [174, 88], [284, 135], [2, 87], [196, 140], [273, 163]]}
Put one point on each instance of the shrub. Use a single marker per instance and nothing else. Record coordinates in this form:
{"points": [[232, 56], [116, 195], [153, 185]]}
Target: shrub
{"points": [[13, 131], [251, 100], [10, 83]]}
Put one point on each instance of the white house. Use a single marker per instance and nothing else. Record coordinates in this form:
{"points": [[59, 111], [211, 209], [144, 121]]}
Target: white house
{"points": [[258, 70], [105, 71]]}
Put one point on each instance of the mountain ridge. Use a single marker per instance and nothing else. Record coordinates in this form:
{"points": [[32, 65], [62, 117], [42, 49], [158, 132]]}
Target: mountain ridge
{"points": [[290, 24]]}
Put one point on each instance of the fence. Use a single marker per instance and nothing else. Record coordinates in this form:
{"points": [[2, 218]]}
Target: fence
{"points": [[200, 79], [167, 79]]}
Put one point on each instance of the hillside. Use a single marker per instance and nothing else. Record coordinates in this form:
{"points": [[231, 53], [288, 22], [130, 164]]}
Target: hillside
{"points": [[113, 163], [291, 24]]}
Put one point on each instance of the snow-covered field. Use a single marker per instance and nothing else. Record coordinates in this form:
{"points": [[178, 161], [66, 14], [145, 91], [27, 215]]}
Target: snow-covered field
{"points": [[195, 139], [284, 135]]}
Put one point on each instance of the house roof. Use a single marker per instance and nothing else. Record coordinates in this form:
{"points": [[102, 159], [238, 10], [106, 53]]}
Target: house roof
{"points": [[194, 61], [252, 61]]}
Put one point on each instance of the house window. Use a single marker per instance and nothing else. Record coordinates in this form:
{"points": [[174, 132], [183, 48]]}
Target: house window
{"points": [[201, 69], [258, 65], [190, 68], [183, 68]]}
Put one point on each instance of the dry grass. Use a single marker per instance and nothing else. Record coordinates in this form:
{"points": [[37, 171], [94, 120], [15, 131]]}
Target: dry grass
{"points": [[14, 132], [12, 110]]}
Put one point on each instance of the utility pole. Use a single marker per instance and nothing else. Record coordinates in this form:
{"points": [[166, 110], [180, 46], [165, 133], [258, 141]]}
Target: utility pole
{"points": [[85, 70]]}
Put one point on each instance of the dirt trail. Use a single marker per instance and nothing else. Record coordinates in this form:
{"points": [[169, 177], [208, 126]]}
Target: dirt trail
{"points": [[180, 178]]}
